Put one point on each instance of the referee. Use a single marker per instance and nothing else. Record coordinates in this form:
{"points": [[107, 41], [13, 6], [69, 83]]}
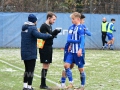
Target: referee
{"points": [[46, 51]]}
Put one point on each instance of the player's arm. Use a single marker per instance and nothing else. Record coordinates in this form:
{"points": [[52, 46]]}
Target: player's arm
{"points": [[87, 32], [111, 27], [82, 42], [81, 45], [69, 39]]}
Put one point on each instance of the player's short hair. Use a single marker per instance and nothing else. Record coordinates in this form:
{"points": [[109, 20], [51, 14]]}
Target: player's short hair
{"points": [[112, 19], [82, 16], [50, 15], [75, 14]]}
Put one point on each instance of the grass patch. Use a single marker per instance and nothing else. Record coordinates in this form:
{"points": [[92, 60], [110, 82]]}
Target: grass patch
{"points": [[102, 70]]}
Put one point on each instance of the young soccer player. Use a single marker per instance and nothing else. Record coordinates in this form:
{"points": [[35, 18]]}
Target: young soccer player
{"points": [[76, 53], [63, 78], [110, 35]]}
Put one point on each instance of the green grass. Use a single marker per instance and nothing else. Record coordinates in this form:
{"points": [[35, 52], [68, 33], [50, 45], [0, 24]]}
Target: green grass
{"points": [[102, 70]]}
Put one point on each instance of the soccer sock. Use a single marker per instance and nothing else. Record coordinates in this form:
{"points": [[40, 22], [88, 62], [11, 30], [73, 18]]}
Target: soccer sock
{"points": [[69, 75], [29, 86], [63, 79], [25, 85], [106, 45], [111, 45], [83, 78], [43, 77]]}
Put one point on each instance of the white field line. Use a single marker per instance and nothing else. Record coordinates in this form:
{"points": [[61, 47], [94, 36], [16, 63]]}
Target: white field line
{"points": [[34, 74]]}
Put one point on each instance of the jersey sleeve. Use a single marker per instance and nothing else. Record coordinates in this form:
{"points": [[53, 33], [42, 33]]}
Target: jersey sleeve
{"points": [[111, 27], [82, 42], [81, 38], [86, 31]]}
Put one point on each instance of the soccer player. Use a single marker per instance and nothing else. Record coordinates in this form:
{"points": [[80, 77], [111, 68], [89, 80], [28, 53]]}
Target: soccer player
{"points": [[76, 53], [104, 27], [46, 51], [29, 35], [110, 35], [63, 78]]}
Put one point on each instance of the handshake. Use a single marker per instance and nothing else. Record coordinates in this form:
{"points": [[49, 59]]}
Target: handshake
{"points": [[56, 32]]}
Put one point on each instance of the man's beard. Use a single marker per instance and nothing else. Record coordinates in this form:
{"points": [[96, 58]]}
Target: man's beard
{"points": [[50, 23]]}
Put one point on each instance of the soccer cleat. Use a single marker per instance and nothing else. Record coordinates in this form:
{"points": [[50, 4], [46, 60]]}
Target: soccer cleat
{"points": [[103, 47], [25, 88], [111, 47]]}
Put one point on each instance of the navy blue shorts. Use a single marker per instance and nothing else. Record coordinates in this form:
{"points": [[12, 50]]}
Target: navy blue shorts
{"points": [[73, 58]]}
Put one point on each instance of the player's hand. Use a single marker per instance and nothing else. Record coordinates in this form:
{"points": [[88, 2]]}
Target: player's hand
{"points": [[114, 30], [79, 53]]}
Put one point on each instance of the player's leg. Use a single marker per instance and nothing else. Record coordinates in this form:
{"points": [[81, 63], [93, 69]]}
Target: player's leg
{"points": [[110, 40], [82, 77], [63, 78], [80, 61], [67, 64], [113, 39]]}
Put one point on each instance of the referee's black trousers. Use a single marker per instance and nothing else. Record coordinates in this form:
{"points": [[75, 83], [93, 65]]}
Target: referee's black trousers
{"points": [[29, 71]]}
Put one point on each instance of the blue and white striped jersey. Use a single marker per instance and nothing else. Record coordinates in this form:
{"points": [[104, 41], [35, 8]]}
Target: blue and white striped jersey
{"points": [[76, 33]]}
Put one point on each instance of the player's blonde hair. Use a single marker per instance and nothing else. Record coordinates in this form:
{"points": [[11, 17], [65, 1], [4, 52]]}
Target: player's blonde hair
{"points": [[75, 14]]}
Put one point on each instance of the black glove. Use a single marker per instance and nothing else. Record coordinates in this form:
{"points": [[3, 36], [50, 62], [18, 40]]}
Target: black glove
{"points": [[56, 32]]}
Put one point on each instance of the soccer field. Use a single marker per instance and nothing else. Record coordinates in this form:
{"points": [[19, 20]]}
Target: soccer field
{"points": [[102, 70]]}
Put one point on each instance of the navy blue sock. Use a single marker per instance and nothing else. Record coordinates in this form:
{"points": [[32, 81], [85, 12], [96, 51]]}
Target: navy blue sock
{"points": [[83, 78], [69, 74], [63, 79]]}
